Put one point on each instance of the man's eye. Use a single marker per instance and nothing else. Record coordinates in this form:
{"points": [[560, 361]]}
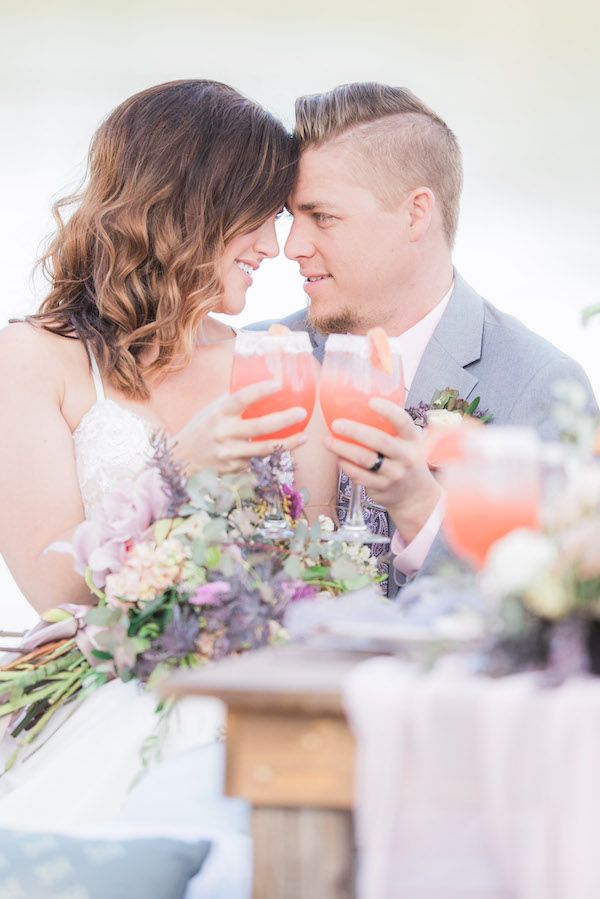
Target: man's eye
{"points": [[322, 218]]}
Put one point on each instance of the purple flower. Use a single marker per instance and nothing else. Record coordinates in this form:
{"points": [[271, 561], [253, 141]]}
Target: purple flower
{"points": [[293, 501], [296, 590], [210, 594]]}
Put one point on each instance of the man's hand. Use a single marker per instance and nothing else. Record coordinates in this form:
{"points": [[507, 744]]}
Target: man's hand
{"points": [[403, 483]]}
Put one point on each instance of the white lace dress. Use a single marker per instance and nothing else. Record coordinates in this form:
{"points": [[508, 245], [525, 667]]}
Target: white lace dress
{"points": [[83, 773]]}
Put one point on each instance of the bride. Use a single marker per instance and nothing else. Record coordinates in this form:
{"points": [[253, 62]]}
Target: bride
{"points": [[184, 185]]}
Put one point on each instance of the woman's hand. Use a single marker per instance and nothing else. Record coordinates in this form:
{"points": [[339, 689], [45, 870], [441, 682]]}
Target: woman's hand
{"points": [[218, 437], [403, 483]]}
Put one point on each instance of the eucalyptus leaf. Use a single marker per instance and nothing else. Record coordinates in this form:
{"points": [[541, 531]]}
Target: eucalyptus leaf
{"points": [[213, 557], [199, 550], [343, 569], [103, 617], [215, 530], [294, 568]]}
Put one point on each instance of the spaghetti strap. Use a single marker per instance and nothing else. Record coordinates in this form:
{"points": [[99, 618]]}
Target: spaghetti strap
{"points": [[97, 377]]}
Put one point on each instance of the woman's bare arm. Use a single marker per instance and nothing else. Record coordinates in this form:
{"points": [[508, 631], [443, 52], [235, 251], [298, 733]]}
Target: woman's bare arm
{"points": [[40, 500]]}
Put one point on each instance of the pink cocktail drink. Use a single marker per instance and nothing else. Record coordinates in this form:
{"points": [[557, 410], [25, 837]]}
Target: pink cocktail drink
{"points": [[474, 521], [286, 358], [494, 488], [349, 379]]}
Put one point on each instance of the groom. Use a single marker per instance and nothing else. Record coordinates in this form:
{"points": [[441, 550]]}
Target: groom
{"points": [[375, 212]]}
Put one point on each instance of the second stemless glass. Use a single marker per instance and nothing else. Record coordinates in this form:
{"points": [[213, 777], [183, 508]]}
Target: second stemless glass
{"points": [[287, 358], [349, 379]]}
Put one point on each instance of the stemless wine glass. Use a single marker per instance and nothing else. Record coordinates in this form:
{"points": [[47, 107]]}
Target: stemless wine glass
{"points": [[286, 358], [494, 488], [350, 378]]}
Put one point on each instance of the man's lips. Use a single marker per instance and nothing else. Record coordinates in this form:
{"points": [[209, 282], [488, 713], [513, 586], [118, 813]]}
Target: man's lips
{"points": [[313, 282]]}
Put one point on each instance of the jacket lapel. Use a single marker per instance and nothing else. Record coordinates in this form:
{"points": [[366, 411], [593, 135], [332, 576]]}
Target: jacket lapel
{"points": [[456, 342]]}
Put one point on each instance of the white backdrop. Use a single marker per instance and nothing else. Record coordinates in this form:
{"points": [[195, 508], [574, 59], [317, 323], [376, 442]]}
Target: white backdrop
{"points": [[517, 80]]}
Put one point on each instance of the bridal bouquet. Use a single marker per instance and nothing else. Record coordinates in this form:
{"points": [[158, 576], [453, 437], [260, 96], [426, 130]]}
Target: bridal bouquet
{"points": [[182, 576]]}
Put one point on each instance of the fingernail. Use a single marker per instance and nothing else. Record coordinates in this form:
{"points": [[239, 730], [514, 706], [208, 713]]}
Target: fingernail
{"points": [[299, 414], [338, 426]]}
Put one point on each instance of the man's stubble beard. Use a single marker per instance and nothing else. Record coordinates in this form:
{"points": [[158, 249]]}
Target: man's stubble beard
{"points": [[343, 322]]}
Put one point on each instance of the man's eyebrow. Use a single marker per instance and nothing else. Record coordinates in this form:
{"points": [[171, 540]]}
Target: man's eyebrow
{"points": [[317, 204]]}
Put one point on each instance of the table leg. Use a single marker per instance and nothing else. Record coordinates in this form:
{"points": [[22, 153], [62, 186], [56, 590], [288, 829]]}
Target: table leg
{"points": [[303, 853]]}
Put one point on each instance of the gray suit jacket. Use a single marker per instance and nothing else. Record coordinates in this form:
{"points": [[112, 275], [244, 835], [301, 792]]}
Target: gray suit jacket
{"points": [[480, 351]]}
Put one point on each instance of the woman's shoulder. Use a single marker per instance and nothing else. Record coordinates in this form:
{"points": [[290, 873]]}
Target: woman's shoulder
{"points": [[38, 354], [215, 331]]}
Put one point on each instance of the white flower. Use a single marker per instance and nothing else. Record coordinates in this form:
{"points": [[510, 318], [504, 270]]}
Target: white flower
{"points": [[580, 496], [580, 546], [444, 418], [516, 562], [549, 596], [326, 523]]}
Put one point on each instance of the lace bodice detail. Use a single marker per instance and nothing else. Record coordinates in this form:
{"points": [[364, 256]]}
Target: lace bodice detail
{"points": [[111, 444]]}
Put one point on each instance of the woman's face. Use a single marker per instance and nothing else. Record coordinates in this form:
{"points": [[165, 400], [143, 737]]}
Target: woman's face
{"points": [[241, 259]]}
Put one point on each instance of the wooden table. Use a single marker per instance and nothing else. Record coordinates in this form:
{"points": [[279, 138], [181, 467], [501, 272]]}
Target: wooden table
{"points": [[290, 754]]}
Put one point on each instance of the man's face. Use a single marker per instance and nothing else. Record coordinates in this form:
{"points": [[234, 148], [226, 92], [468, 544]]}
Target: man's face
{"points": [[353, 253]]}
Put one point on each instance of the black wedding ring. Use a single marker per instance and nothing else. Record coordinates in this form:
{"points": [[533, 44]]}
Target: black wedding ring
{"points": [[377, 463]]}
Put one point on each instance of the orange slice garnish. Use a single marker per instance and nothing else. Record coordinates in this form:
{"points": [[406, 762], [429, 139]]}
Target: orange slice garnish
{"points": [[381, 351], [278, 330]]}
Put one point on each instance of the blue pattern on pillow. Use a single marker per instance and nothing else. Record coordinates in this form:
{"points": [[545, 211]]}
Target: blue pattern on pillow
{"points": [[53, 866]]}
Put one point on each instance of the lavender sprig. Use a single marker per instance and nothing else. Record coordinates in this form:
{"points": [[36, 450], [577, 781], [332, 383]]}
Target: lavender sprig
{"points": [[171, 472]]}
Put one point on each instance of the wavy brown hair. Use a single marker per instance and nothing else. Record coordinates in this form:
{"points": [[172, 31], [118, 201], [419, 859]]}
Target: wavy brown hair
{"points": [[174, 173]]}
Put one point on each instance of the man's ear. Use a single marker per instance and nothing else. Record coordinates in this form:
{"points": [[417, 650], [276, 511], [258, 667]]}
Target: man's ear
{"points": [[421, 205]]}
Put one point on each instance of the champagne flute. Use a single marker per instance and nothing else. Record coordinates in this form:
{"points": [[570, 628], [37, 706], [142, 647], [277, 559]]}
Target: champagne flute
{"points": [[494, 488], [350, 377], [285, 358]]}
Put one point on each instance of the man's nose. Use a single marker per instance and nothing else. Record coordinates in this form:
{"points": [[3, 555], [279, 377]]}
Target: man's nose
{"points": [[266, 242], [298, 243]]}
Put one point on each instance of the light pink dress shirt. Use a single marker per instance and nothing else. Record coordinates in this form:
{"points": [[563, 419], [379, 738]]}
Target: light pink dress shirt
{"points": [[409, 557]]}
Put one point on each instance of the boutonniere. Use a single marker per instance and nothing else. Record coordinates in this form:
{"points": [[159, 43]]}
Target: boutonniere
{"points": [[447, 407], [444, 420]]}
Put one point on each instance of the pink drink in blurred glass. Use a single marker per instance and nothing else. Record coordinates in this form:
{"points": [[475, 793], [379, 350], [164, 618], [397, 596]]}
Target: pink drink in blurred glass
{"points": [[493, 490]]}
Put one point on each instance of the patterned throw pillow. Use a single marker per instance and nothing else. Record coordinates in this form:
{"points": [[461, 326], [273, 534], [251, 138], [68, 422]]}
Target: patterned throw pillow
{"points": [[53, 866]]}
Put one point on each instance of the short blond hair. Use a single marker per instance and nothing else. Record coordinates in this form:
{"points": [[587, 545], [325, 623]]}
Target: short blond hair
{"points": [[403, 143]]}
